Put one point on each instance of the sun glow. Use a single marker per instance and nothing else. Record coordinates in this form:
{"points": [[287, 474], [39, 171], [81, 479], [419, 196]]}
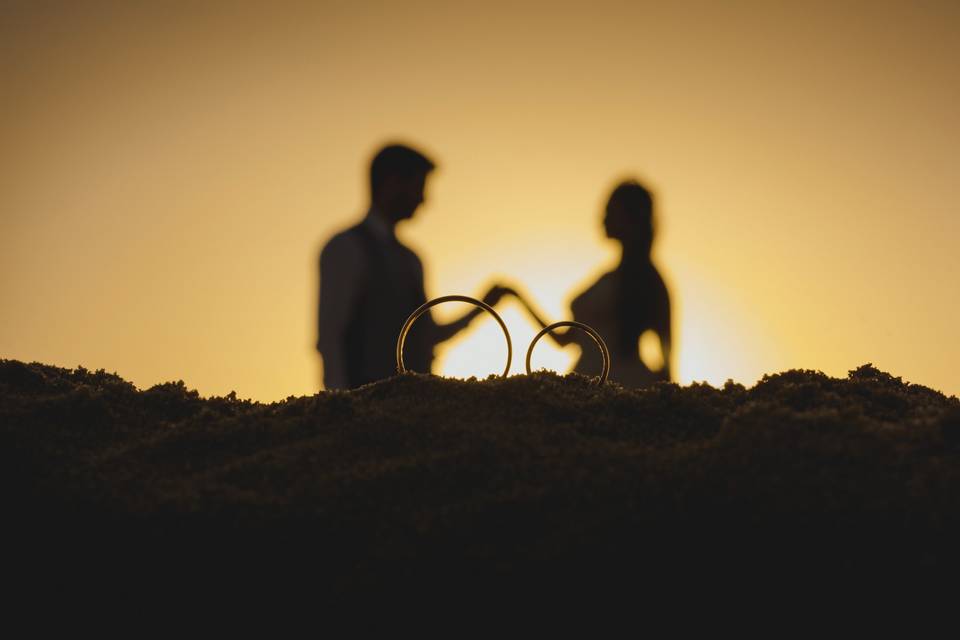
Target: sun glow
{"points": [[714, 339], [720, 338], [481, 350]]}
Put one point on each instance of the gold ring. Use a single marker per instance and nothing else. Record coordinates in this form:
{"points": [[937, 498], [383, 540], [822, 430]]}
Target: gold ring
{"points": [[579, 325], [432, 303]]}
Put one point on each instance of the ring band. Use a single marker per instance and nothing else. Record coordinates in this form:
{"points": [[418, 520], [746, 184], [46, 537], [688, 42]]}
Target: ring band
{"points": [[432, 303], [579, 325]]}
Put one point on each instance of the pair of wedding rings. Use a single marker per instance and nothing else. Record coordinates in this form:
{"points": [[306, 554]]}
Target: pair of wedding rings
{"points": [[565, 323]]}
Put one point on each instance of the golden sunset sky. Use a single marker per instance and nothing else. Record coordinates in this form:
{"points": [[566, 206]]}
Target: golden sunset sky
{"points": [[170, 170]]}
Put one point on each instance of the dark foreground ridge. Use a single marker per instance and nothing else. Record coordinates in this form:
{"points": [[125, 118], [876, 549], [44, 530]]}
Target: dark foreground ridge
{"points": [[536, 479]]}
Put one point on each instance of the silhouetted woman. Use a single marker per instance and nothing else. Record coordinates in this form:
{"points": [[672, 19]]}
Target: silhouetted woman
{"points": [[626, 302]]}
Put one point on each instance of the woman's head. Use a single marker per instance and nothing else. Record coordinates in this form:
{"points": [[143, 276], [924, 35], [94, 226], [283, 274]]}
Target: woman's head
{"points": [[629, 215]]}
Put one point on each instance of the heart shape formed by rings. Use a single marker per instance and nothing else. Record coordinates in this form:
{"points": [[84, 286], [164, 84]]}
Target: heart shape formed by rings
{"points": [[426, 306]]}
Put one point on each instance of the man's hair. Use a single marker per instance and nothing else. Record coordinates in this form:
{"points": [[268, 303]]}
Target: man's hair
{"points": [[397, 160], [635, 198]]}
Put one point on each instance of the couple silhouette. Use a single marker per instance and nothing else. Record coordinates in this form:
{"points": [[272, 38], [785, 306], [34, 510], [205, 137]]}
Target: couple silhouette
{"points": [[370, 283]]}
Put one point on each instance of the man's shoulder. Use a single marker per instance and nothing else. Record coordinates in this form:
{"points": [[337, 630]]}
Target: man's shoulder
{"points": [[344, 242], [343, 252], [347, 236], [409, 251], [412, 258]]}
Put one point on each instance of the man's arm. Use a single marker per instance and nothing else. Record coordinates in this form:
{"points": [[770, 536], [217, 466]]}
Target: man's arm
{"points": [[443, 332], [341, 266]]}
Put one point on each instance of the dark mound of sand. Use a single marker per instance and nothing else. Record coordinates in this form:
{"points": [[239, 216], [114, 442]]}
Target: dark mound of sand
{"points": [[533, 480]]}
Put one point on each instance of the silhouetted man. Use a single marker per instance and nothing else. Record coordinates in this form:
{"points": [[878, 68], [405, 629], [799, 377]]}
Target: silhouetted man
{"points": [[370, 283]]}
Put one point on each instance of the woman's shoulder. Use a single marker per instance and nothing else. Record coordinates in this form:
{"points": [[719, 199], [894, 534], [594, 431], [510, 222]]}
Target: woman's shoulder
{"points": [[659, 285]]}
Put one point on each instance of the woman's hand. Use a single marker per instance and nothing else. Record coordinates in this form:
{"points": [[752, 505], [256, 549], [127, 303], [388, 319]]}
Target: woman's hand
{"points": [[495, 294]]}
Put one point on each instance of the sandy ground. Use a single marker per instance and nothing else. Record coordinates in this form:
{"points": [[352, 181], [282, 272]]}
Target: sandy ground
{"points": [[536, 481]]}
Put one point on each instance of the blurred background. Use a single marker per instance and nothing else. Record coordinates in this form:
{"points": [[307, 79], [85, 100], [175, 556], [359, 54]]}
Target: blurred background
{"points": [[170, 170]]}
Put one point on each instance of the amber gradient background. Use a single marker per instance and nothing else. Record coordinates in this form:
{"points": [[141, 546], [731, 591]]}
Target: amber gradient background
{"points": [[169, 171]]}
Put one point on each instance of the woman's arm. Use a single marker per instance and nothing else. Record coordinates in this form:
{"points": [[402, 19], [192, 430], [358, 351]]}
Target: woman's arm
{"points": [[665, 349]]}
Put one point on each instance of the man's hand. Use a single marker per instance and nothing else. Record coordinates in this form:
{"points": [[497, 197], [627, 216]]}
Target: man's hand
{"points": [[446, 331], [495, 293]]}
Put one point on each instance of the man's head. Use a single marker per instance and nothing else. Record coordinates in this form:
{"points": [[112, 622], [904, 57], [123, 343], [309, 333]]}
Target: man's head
{"points": [[397, 177]]}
